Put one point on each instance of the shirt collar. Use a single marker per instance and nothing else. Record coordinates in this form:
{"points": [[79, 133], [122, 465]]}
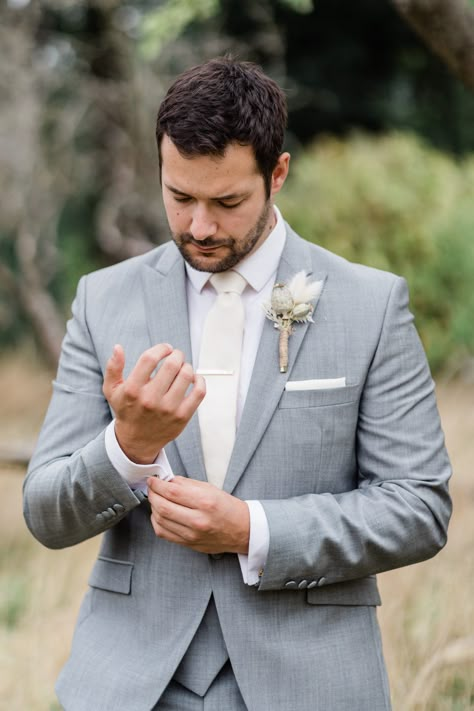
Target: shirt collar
{"points": [[256, 268]]}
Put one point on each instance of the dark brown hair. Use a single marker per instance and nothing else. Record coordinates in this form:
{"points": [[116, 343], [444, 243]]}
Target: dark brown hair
{"points": [[225, 101]]}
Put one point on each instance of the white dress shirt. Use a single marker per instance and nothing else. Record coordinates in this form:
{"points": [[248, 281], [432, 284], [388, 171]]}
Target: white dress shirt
{"points": [[259, 270]]}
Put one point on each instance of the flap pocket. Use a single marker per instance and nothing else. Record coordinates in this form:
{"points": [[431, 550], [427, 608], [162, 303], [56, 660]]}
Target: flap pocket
{"points": [[362, 591], [319, 397], [113, 575]]}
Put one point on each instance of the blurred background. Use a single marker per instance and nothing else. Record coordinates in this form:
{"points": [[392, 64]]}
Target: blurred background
{"points": [[381, 132]]}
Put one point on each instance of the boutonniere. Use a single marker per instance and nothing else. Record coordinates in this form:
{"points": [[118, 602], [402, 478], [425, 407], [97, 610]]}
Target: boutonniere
{"points": [[292, 303]]}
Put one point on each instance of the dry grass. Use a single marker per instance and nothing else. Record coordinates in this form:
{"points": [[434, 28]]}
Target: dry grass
{"points": [[427, 616], [429, 607]]}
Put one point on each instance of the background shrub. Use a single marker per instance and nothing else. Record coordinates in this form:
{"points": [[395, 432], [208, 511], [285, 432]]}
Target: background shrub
{"points": [[396, 204]]}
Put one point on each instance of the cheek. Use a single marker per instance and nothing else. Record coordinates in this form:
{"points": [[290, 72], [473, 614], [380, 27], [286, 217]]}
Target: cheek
{"points": [[176, 216], [240, 223]]}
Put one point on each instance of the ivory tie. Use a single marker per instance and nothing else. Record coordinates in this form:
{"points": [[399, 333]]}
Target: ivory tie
{"points": [[219, 363]]}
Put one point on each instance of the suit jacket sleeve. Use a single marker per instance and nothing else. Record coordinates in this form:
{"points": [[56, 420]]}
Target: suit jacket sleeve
{"points": [[399, 511], [72, 492]]}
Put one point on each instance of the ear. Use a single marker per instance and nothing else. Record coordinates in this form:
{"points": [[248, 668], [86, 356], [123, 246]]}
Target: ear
{"points": [[279, 173]]}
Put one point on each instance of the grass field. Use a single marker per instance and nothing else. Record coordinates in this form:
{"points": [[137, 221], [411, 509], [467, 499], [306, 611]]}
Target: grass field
{"points": [[427, 617]]}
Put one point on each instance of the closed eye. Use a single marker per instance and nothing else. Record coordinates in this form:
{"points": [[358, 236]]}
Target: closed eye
{"points": [[227, 206]]}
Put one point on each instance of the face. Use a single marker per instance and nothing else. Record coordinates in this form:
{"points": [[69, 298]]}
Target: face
{"points": [[216, 207]]}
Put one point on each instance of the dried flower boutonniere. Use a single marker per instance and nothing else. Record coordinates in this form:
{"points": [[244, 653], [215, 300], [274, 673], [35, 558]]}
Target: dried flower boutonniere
{"points": [[291, 303]]}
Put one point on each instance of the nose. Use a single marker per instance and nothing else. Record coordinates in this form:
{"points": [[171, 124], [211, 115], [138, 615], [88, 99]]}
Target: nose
{"points": [[202, 224]]}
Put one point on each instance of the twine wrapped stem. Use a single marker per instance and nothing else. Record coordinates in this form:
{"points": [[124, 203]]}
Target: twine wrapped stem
{"points": [[283, 348]]}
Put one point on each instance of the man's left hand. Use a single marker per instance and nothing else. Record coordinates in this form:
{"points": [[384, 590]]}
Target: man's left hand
{"points": [[198, 515]]}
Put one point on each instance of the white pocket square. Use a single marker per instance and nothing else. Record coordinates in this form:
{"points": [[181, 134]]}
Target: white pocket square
{"points": [[316, 384]]}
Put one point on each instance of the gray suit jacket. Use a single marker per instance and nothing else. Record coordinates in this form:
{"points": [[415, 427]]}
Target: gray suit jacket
{"points": [[353, 482]]}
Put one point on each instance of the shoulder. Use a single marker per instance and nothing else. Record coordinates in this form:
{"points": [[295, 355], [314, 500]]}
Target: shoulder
{"points": [[132, 266], [359, 296], [125, 275], [346, 276]]}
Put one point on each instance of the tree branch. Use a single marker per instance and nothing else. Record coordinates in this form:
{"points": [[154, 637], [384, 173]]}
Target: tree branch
{"points": [[447, 27], [35, 301]]}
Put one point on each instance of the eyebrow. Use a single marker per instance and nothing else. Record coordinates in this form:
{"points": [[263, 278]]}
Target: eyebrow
{"points": [[231, 196]]}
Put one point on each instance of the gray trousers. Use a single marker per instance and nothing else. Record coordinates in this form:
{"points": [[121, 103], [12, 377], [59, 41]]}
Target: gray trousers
{"points": [[222, 694]]}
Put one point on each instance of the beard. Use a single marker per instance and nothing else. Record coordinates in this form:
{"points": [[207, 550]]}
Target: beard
{"points": [[236, 249]]}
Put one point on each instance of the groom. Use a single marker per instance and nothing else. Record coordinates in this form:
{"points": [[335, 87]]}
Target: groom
{"points": [[243, 526]]}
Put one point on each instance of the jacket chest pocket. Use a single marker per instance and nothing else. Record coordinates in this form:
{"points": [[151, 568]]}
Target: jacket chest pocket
{"points": [[319, 398]]}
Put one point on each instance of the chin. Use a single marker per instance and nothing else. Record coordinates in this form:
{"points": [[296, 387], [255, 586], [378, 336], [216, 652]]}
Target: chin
{"points": [[210, 262]]}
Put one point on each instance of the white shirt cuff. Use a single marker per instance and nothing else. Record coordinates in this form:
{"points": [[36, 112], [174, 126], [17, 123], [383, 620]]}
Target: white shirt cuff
{"points": [[135, 474], [252, 565]]}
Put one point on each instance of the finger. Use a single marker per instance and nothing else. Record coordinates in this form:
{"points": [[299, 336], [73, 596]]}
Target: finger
{"points": [[165, 377], [177, 390], [194, 398], [169, 528], [146, 364], [114, 370], [187, 523], [174, 517], [163, 532], [187, 493], [164, 488]]}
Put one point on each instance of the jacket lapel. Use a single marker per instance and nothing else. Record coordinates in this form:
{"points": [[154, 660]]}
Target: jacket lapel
{"points": [[267, 383], [167, 316]]}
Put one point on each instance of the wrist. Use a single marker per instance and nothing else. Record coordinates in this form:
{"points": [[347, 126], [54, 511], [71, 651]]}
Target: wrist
{"points": [[244, 533], [138, 452]]}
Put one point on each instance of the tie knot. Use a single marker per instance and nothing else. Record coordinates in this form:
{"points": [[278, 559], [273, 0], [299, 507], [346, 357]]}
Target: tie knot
{"points": [[230, 281]]}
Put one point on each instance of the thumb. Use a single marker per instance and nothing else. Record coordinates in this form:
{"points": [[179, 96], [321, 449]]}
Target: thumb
{"points": [[114, 370]]}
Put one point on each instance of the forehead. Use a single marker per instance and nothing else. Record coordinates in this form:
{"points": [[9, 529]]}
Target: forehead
{"points": [[212, 175]]}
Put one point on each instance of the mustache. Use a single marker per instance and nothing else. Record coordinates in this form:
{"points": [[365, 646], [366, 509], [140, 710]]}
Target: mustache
{"points": [[187, 238]]}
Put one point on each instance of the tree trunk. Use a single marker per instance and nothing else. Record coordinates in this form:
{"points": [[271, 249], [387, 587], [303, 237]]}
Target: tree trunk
{"points": [[447, 27], [41, 311]]}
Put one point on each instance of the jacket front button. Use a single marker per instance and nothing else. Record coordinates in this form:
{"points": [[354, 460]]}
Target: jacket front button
{"points": [[291, 584], [321, 582], [312, 584], [302, 585]]}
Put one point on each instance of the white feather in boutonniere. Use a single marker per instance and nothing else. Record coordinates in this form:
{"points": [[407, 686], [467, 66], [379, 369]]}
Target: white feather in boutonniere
{"points": [[292, 303]]}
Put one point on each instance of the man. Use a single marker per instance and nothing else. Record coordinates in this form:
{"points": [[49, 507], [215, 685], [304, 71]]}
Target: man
{"points": [[255, 589]]}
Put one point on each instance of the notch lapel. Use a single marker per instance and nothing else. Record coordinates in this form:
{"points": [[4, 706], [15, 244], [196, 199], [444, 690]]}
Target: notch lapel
{"points": [[267, 383], [164, 288]]}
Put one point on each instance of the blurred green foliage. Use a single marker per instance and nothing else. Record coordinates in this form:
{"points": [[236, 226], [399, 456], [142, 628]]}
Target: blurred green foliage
{"points": [[14, 591], [396, 204], [456, 693], [168, 21]]}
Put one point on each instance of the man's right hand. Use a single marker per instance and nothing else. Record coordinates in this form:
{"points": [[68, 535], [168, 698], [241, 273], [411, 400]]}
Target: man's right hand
{"points": [[151, 411]]}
